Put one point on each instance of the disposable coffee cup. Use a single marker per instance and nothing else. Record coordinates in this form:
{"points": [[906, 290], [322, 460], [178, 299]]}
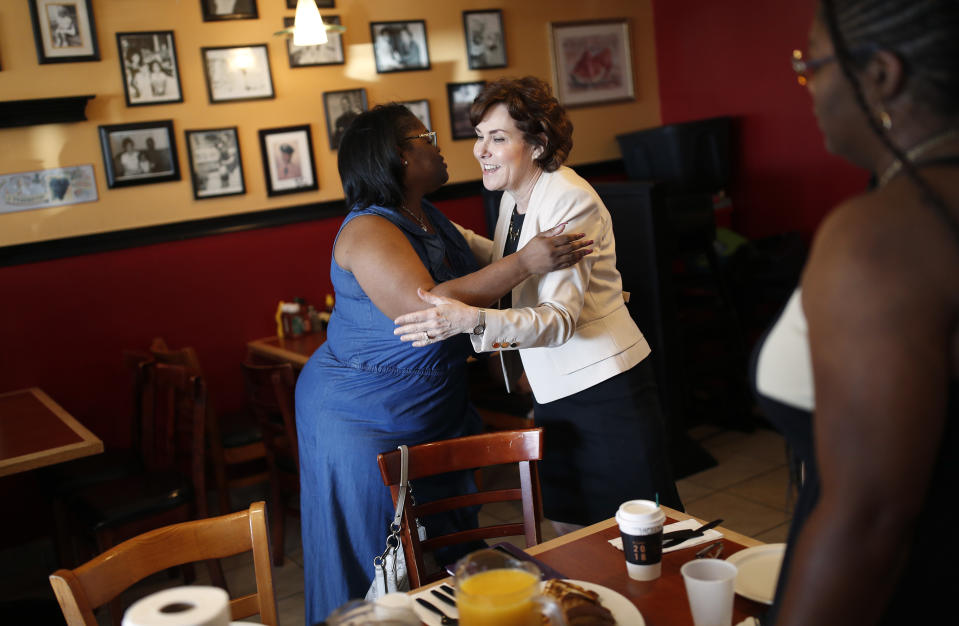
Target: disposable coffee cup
{"points": [[641, 527]]}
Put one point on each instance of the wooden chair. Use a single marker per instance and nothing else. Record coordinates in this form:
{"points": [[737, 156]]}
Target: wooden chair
{"points": [[237, 452], [172, 486], [523, 447], [102, 579], [269, 391]]}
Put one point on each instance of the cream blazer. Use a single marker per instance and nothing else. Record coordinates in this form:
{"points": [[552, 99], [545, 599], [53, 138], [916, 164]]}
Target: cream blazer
{"points": [[571, 326]]}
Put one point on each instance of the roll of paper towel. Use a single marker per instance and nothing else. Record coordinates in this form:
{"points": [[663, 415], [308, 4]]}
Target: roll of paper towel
{"points": [[193, 605]]}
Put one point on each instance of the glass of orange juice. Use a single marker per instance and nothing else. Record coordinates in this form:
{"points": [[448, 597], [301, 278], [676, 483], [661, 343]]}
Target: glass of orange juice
{"points": [[494, 589]]}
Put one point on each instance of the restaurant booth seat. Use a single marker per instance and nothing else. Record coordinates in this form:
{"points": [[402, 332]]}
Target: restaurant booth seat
{"points": [[171, 487], [269, 392], [104, 578], [237, 454], [524, 448]]}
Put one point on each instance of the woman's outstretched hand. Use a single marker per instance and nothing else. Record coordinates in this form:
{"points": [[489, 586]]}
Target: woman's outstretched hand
{"points": [[554, 250], [445, 317]]}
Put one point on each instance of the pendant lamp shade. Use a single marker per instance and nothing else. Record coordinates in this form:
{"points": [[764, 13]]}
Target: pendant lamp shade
{"points": [[308, 28]]}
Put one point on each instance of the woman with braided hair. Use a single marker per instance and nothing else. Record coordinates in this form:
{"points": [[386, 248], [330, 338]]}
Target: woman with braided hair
{"points": [[861, 372]]}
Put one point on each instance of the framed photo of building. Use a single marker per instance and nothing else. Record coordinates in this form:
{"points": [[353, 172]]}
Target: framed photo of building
{"points": [[400, 46], [329, 53], [237, 73], [217, 10], [485, 43], [64, 31], [139, 153], [421, 109], [461, 96], [340, 107], [149, 67], [592, 62], [288, 160], [215, 165]]}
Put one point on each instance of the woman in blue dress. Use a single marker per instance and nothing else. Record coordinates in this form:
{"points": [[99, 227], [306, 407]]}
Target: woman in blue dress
{"points": [[364, 391]]}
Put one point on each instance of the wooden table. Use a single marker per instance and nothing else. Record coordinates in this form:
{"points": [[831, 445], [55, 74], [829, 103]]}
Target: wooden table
{"points": [[293, 350], [587, 555], [35, 431]]}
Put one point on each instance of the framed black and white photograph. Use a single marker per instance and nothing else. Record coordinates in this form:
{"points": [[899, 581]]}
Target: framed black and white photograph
{"points": [[400, 46], [237, 73], [322, 4], [592, 62], [215, 165], [139, 153], [421, 109], [461, 96], [149, 67], [216, 10], [64, 31], [329, 53], [288, 160], [340, 107], [485, 43]]}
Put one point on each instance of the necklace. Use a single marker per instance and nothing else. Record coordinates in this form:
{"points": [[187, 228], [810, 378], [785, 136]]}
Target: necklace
{"points": [[917, 151], [416, 217], [515, 227]]}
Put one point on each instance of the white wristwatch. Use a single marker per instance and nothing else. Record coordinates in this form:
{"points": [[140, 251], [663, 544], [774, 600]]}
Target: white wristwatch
{"points": [[480, 327]]}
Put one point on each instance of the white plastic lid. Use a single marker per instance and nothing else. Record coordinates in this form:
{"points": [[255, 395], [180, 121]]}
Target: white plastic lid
{"points": [[640, 512], [291, 307]]}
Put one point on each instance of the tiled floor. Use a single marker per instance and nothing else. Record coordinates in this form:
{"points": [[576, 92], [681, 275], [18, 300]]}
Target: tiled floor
{"points": [[749, 489]]}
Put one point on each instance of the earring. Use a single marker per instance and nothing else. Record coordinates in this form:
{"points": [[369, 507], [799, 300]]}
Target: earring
{"points": [[885, 120], [405, 163]]}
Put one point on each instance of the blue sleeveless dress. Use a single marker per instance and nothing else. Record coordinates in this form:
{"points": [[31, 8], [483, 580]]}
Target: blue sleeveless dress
{"points": [[365, 392]]}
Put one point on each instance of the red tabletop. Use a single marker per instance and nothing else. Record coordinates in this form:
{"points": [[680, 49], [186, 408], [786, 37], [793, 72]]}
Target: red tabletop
{"points": [[36, 431]]}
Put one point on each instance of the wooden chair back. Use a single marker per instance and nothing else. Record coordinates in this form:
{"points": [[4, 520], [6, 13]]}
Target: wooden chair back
{"points": [[522, 447], [235, 445], [269, 392], [98, 581]]}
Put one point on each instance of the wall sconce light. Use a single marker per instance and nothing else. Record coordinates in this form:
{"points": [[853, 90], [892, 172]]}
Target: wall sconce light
{"points": [[308, 28]]}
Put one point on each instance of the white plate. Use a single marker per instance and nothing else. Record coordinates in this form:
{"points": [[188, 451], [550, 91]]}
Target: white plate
{"points": [[758, 571], [624, 612]]}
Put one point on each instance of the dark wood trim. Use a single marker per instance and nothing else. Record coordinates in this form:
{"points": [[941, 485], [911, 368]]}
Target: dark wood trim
{"points": [[35, 252], [43, 111]]}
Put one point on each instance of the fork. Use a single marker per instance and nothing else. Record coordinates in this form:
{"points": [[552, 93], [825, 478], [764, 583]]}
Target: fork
{"points": [[445, 619]]}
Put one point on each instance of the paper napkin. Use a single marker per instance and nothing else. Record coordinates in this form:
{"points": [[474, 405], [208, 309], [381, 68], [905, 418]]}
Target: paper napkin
{"points": [[710, 535]]}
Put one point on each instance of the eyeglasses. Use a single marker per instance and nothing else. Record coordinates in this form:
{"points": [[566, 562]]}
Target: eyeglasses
{"points": [[429, 135], [805, 69]]}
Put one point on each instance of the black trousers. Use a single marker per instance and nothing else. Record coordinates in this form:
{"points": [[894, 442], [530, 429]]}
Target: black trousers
{"points": [[603, 446]]}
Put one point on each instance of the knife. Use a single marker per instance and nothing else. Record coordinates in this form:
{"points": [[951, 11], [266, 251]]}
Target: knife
{"points": [[676, 537], [444, 618]]}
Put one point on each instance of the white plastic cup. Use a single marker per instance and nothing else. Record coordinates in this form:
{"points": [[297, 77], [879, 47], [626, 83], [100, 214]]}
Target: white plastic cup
{"points": [[641, 527], [710, 586]]}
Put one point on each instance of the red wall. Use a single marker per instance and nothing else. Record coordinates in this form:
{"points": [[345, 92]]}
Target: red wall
{"points": [[732, 58], [64, 323]]}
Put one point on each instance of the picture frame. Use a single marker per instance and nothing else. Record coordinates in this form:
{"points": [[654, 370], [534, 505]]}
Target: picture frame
{"points": [[288, 159], [64, 31], [42, 189], [149, 67], [329, 53], [400, 46], [219, 10], [339, 107], [485, 40], [139, 153], [237, 73], [421, 109], [216, 167], [461, 96], [592, 62], [320, 4]]}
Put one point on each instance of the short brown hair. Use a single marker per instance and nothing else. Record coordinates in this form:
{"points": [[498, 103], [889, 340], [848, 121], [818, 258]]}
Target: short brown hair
{"points": [[537, 113]]}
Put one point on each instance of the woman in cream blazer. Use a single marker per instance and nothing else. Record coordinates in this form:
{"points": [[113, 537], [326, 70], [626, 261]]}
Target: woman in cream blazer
{"points": [[583, 355]]}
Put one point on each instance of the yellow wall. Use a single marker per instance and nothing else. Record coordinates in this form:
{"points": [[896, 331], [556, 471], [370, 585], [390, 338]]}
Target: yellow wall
{"points": [[298, 98]]}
